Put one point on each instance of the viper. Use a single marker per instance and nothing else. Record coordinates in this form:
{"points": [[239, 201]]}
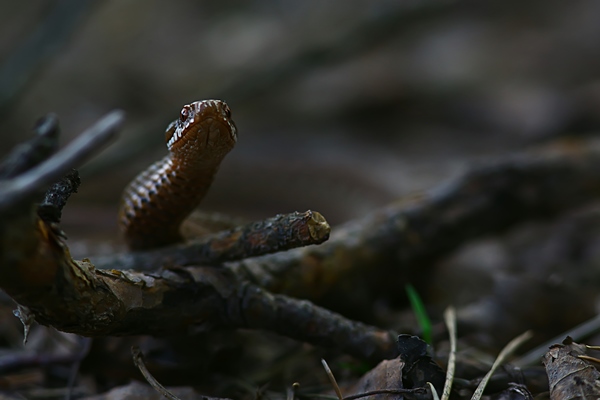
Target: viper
{"points": [[158, 200]]}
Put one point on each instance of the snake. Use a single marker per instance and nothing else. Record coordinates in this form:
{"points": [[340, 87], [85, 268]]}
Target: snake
{"points": [[157, 201]]}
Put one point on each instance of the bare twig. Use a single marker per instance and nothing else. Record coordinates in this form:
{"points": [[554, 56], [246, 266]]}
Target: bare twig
{"points": [[282, 232], [89, 142]]}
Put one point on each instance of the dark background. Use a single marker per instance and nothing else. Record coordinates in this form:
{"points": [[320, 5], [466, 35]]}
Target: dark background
{"points": [[342, 107]]}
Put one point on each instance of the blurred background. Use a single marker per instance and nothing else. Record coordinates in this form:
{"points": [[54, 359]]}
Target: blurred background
{"points": [[342, 106]]}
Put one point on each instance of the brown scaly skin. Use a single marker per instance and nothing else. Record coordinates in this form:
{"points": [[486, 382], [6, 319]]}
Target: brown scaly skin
{"points": [[156, 202]]}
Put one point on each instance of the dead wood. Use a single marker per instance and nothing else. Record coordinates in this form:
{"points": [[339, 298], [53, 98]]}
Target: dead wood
{"points": [[75, 297], [37, 271], [282, 232]]}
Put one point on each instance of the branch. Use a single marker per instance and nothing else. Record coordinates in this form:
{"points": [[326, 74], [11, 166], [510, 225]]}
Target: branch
{"points": [[304, 321], [73, 296], [21, 187], [282, 232]]}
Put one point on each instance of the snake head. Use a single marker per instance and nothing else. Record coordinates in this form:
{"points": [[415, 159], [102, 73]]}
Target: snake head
{"points": [[202, 126]]}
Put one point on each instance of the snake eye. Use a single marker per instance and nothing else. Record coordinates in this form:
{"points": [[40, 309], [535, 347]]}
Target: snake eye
{"points": [[184, 114]]}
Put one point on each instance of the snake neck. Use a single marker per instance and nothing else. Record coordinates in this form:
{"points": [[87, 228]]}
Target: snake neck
{"points": [[160, 198]]}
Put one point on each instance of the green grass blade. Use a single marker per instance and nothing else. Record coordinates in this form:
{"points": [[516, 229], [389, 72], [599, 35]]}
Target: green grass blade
{"points": [[420, 312]]}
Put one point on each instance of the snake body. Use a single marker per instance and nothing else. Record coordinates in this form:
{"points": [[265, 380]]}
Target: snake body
{"points": [[156, 202]]}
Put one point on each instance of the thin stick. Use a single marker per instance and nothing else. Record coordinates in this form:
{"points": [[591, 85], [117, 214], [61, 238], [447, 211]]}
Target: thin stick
{"points": [[138, 360], [450, 319], [332, 379], [506, 351]]}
